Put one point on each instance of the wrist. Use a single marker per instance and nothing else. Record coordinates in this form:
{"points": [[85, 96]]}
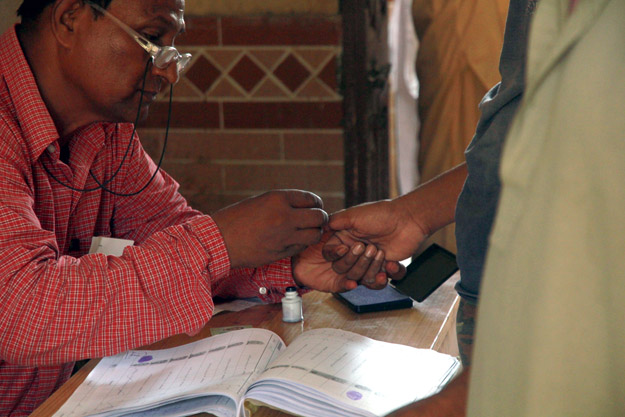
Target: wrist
{"points": [[409, 208], [298, 284]]}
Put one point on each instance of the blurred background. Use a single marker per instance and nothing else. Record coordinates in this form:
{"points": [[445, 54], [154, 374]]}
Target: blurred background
{"points": [[354, 100]]}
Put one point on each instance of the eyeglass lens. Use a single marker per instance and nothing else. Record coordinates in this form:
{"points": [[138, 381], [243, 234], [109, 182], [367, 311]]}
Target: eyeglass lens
{"points": [[168, 54]]}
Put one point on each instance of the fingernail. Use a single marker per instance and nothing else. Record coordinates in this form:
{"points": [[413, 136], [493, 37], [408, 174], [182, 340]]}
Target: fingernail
{"points": [[370, 251], [358, 249], [342, 250], [379, 256]]}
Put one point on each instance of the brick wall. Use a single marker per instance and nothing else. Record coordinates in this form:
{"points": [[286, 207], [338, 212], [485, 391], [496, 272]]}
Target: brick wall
{"points": [[257, 109]]}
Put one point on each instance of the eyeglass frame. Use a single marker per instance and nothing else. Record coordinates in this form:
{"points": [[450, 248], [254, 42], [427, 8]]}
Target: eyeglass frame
{"points": [[167, 53]]}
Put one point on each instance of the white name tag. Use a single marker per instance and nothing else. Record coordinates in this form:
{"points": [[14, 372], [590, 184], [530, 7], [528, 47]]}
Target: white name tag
{"points": [[109, 245]]}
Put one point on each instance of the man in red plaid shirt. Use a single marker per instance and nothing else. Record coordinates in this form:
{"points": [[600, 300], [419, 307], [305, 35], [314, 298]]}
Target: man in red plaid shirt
{"points": [[73, 77]]}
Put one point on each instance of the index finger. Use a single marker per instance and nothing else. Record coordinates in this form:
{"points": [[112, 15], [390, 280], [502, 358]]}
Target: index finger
{"points": [[310, 218], [303, 199]]}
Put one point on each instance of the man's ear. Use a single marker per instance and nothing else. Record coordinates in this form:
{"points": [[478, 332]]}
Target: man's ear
{"points": [[66, 16]]}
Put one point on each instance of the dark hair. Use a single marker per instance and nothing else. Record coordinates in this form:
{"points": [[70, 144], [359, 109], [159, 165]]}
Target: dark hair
{"points": [[31, 9]]}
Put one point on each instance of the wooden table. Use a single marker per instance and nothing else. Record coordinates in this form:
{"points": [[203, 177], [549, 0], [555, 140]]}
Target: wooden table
{"points": [[430, 324]]}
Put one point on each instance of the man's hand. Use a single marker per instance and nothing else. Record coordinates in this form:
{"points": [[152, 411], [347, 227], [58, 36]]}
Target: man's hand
{"points": [[388, 224], [262, 229], [360, 263]]}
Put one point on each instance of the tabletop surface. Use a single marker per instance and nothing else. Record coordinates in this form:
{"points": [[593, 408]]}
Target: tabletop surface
{"points": [[425, 325]]}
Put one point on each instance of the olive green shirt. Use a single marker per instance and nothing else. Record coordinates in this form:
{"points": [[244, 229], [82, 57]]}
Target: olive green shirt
{"points": [[550, 337]]}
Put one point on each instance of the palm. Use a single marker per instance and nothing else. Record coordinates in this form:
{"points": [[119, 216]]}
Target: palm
{"points": [[313, 271]]}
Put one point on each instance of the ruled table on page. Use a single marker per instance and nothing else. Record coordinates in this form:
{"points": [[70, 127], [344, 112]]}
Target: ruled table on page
{"points": [[223, 364], [374, 375]]}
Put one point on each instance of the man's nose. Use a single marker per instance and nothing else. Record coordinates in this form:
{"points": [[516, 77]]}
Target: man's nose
{"points": [[169, 73]]}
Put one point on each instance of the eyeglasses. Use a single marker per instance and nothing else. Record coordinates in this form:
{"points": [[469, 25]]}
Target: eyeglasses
{"points": [[162, 56]]}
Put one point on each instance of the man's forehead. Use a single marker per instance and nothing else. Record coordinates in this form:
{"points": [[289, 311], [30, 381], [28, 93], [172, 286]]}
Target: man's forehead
{"points": [[176, 7]]}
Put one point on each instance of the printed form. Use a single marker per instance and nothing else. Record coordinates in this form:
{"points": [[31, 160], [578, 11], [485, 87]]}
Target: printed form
{"points": [[330, 366], [221, 365], [323, 372]]}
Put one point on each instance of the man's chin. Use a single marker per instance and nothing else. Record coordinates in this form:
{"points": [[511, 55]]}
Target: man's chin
{"points": [[131, 116], [143, 115]]}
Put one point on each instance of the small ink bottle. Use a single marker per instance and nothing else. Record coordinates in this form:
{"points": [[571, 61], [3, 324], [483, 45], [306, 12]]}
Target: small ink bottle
{"points": [[292, 306]]}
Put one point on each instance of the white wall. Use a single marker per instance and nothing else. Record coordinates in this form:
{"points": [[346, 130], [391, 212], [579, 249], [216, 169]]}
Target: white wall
{"points": [[7, 13]]}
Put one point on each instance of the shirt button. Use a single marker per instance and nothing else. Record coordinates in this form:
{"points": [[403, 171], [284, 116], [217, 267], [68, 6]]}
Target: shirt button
{"points": [[51, 148], [262, 290]]}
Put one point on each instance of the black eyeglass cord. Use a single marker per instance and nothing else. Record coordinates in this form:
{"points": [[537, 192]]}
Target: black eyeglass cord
{"points": [[102, 185]]}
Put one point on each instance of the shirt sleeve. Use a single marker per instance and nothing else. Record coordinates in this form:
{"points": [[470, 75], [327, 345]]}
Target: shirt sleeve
{"points": [[56, 308], [161, 205]]}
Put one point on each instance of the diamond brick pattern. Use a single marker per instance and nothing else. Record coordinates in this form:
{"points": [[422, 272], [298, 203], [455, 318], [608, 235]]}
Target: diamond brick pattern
{"points": [[291, 72], [269, 88], [269, 58], [260, 73], [315, 89], [314, 57], [246, 73], [202, 73], [328, 74], [257, 109], [225, 89], [224, 58]]}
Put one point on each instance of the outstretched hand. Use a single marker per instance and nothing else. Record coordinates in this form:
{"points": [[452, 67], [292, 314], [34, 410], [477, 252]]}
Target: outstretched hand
{"points": [[262, 229], [385, 223], [360, 264]]}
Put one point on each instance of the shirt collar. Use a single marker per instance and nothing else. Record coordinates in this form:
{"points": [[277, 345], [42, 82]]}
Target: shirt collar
{"points": [[36, 124]]}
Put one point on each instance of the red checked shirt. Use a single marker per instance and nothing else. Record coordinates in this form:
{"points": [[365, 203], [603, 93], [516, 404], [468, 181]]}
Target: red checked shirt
{"points": [[58, 304]]}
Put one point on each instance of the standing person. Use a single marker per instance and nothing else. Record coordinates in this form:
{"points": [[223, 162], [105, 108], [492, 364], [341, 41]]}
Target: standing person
{"points": [[550, 338], [73, 76], [459, 46], [468, 193]]}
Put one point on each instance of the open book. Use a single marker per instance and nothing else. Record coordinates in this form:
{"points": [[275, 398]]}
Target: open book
{"points": [[324, 372]]}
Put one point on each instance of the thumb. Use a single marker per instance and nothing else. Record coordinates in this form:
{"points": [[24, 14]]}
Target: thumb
{"points": [[340, 220], [343, 284]]}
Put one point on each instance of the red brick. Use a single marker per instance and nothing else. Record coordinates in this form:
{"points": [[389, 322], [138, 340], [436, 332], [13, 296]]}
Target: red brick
{"points": [[200, 31], [219, 145], [266, 177], [290, 30], [194, 177], [152, 142], [209, 203], [332, 204], [314, 146], [285, 115], [184, 114]]}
